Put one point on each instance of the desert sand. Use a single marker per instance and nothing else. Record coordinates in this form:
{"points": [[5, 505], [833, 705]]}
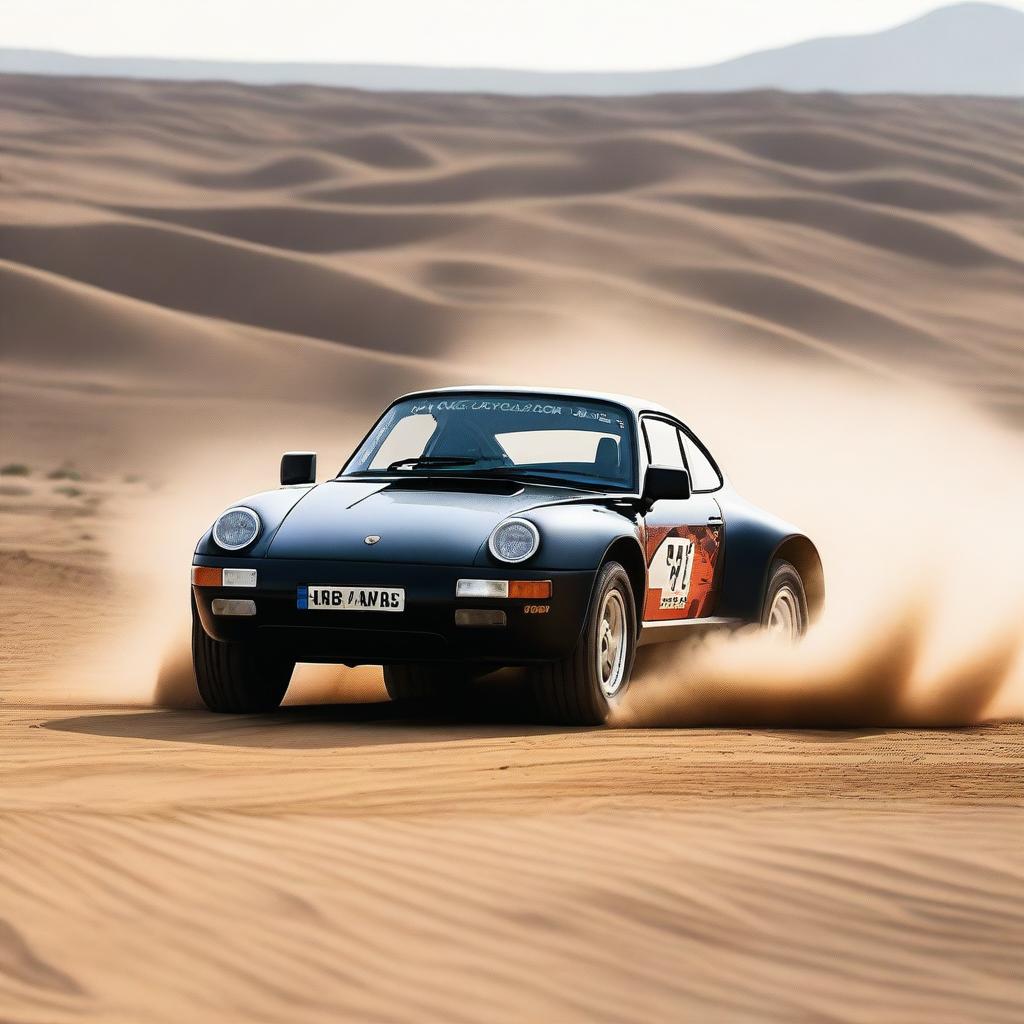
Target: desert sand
{"points": [[338, 863], [194, 278]]}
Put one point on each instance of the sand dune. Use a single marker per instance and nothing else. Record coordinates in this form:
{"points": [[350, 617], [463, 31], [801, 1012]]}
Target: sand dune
{"points": [[310, 228], [195, 277], [346, 217]]}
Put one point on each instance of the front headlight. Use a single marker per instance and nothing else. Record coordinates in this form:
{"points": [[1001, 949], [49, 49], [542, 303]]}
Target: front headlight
{"points": [[514, 540], [236, 528]]}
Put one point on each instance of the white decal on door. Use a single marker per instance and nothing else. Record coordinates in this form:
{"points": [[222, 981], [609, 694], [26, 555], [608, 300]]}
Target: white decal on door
{"points": [[670, 573]]}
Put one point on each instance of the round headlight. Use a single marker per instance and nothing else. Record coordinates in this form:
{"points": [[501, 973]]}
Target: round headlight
{"points": [[236, 528], [514, 540]]}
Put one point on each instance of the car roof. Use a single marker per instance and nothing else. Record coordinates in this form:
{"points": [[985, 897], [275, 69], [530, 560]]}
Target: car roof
{"points": [[636, 405]]}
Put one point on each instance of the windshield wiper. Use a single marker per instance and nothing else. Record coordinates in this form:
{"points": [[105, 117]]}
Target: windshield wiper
{"points": [[434, 460], [554, 477]]}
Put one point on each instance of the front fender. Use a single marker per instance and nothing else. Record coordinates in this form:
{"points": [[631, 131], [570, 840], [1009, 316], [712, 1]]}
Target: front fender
{"points": [[573, 536], [583, 537]]}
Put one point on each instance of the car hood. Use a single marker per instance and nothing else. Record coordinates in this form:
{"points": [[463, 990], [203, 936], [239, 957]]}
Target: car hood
{"points": [[418, 521]]}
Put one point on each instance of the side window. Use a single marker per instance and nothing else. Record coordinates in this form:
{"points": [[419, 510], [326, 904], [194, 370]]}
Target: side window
{"points": [[663, 442], [703, 475]]}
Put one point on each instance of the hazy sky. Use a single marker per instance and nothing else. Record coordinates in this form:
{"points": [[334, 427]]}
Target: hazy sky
{"points": [[573, 34]]}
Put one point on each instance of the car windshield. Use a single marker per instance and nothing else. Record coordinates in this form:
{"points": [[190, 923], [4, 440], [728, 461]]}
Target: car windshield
{"points": [[569, 441]]}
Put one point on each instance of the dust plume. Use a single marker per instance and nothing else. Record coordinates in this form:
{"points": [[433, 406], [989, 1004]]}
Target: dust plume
{"points": [[873, 680], [913, 502], [150, 555]]}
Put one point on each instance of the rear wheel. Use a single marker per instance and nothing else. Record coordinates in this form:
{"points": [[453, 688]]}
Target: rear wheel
{"points": [[237, 677], [584, 687], [785, 604]]}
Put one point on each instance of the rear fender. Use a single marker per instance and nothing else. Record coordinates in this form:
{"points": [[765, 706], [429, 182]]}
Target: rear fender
{"points": [[752, 541]]}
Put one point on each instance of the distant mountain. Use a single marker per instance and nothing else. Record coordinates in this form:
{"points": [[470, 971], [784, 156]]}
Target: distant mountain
{"points": [[969, 48]]}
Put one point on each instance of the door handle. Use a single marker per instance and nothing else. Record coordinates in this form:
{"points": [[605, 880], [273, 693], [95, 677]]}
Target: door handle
{"points": [[715, 521]]}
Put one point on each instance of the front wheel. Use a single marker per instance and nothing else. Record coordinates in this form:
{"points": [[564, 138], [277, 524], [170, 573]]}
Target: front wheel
{"points": [[583, 688], [237, 677], [784, 614]]}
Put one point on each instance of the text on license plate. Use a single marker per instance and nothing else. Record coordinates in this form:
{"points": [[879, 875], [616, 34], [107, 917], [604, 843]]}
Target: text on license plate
{"points": [[351, 599]]}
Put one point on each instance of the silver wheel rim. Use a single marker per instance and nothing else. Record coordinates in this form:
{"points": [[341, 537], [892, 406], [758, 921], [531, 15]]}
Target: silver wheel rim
{"points": [[784, 615], [611, 643]]}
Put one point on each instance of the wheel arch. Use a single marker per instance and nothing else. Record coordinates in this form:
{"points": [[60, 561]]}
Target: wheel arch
{"points": [[801, 553], [574, 537], [626, 551]]}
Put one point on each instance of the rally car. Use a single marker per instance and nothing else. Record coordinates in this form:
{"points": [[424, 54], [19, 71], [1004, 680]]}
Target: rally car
{"points": [[475, 528]]}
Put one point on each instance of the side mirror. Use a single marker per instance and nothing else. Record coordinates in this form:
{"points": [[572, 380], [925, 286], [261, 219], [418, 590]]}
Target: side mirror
{"points": [[662, 482], [298, 468]]}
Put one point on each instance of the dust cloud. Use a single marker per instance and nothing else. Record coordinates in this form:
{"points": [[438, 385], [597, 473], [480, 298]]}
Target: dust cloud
{"points": [[150, 556], [914, 503]]}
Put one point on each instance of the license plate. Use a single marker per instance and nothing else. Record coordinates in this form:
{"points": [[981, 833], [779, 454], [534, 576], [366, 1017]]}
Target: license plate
{"points": [[351, 599]]}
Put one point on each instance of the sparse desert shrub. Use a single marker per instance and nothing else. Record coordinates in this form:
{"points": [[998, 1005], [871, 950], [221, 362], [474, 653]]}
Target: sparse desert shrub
{"points": [[69, 492], [15, 469], [65, 472]]}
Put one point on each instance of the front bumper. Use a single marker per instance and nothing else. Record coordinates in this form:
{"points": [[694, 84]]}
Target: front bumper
{"points": [[425, 631]]}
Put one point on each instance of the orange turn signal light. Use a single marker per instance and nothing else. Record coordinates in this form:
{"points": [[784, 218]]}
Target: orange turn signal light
{"points": [[206, 576], [534, 589]]}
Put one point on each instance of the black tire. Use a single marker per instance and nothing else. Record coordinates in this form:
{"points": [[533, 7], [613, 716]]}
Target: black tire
{"points": [[440, 684], [237, 678], [783, 577], [570, 691]]}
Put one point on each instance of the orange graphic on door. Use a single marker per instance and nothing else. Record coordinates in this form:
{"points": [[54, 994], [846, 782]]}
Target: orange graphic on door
{"points": [[681, 564]]}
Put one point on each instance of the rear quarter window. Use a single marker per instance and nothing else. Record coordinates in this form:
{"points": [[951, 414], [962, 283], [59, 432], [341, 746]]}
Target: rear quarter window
{"points": [[703, 474]]}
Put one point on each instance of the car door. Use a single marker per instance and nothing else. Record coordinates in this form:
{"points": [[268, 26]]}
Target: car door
{"points": [[682, 538]]}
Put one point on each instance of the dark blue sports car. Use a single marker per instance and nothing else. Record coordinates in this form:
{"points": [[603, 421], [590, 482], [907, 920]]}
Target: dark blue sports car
{"points": [[477, 527]]}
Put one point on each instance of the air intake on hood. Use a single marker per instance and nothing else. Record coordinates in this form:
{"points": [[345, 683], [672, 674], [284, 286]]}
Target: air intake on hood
{"points": [[461, 485]]}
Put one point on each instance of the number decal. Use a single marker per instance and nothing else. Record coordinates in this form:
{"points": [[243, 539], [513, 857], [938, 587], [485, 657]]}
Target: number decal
{"points": [[671, 571], [676, 556]]}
